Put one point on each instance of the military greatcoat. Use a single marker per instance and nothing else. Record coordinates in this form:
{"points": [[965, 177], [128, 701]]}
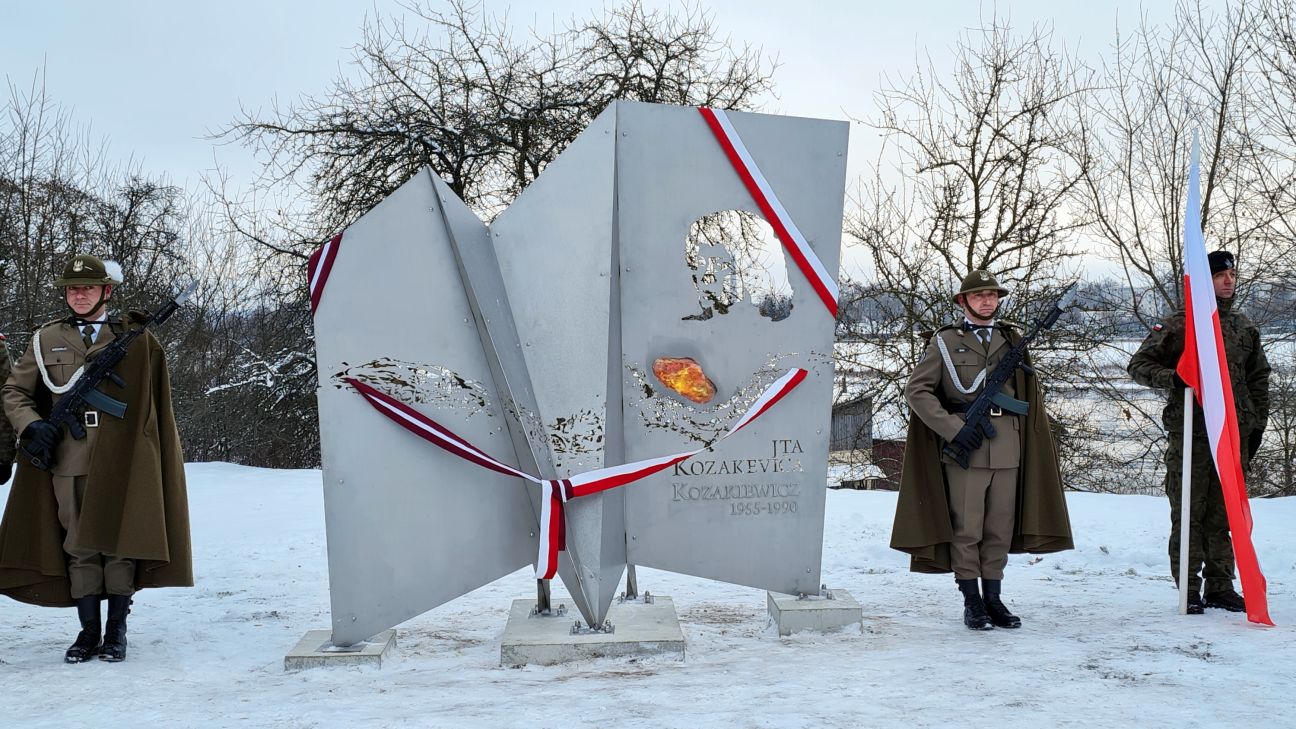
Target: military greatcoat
{"points": [[923, 526], [136, 502]]}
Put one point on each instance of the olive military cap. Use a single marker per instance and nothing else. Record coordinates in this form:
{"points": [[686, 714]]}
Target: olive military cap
{"points": [[980, 280], [86, 270]]}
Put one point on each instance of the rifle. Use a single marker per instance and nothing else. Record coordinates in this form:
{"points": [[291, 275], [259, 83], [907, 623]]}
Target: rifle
{"points": [[72, 405], [977, 417]]}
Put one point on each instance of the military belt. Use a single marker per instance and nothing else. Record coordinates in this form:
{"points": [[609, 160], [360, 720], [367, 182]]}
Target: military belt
{"points": [[958, 408]]}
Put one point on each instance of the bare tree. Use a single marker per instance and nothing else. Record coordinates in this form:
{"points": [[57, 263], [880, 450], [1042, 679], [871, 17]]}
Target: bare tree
{"points": [[1163, 84], [482, 102], [980, 170], [484, 106], [1275, 125], [58, 197], [1273, 471], [1200, 73]]}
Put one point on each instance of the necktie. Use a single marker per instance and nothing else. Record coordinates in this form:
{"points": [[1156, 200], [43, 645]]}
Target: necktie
{"points": [[983, 335], [87, 335]]}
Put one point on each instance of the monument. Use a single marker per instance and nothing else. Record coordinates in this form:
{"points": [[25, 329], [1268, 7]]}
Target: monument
{"points": [[588, 381]]}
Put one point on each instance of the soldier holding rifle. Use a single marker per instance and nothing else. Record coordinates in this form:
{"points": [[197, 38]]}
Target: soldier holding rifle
{"points": [[101, 473], [980, 476]]}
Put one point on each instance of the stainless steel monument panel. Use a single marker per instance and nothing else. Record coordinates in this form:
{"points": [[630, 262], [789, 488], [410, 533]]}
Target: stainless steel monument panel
{"points": [[751, 511], [400, 512], [556, 245], [490, 303]]}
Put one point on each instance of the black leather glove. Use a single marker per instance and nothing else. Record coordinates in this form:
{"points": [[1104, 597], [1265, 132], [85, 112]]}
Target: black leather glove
{"points": [[1253, 444], [968, 438], [1176, 381], [43, 435], [6, 470]]}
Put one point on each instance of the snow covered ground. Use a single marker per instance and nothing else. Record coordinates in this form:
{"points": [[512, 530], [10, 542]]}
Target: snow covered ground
{"points": [[1102, 645]]}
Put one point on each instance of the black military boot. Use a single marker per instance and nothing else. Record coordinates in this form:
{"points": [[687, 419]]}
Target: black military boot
{"points": [[974, 609], [1226, 600], [88, 640], [998, 611], [114, 645]]}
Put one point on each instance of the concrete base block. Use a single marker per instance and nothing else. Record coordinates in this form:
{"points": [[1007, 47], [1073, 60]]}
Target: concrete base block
{"points": [[831, 611], [316, 649], [640, 629]]}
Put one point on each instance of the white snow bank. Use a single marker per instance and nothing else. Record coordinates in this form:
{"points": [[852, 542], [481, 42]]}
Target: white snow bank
{"points": [[1101, 646]]}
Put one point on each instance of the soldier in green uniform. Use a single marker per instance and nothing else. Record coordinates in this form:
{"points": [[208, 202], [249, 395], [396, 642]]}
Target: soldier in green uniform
{"points": [[966, 520], [1210, 548], [8, 441], [119, 504]]}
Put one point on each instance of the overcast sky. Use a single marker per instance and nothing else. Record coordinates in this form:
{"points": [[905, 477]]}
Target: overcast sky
{"points": [[154, 78]]}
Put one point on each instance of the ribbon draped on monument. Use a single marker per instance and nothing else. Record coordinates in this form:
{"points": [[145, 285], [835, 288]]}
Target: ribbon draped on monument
{"points": [[1204, 368], [768, 201], [318, 268], [557, 492]]}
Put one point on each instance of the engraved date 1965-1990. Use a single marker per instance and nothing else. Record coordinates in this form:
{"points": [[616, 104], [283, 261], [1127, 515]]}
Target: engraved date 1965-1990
{"points": [[760, 508]]}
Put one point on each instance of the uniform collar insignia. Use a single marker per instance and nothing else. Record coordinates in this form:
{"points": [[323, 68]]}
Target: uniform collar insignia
{"points": [[969, 326]]}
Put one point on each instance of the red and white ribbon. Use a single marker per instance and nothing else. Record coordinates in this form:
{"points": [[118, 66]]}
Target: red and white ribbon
{"points": [[319, 266], [768, 202], [554, 493], [553, 529]]}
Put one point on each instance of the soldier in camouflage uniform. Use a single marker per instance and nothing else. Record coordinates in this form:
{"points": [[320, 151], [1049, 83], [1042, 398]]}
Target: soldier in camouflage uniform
{"points": [[1153, 365]]}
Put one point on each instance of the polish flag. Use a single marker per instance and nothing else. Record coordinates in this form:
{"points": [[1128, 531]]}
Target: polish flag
{"points": [[1204, 368]]}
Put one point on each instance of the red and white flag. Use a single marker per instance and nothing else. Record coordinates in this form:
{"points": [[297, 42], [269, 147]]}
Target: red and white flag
{"points": [[1204, 368]]}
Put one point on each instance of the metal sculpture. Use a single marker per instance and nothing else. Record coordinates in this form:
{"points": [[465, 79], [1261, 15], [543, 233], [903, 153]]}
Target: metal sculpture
{"points": [[488, 395]]}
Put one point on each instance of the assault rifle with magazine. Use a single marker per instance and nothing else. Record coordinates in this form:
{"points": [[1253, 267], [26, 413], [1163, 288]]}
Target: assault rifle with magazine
{"points": [[71, 407], [977, 426]]}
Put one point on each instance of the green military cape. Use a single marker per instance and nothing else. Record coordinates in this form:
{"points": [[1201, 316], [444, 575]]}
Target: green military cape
{"points": [[922, 525], [136, 502]]}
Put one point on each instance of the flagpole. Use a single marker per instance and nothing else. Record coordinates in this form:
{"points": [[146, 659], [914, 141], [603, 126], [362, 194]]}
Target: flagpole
{"points": [[1204, 366], [1185, 500]]}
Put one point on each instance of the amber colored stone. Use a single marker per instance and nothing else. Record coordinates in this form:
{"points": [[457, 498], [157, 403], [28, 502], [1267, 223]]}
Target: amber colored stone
{"points": [[685, 376]]}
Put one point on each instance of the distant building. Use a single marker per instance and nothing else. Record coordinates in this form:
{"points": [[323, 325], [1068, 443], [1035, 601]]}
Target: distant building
{"points": [[852, 425], [888, 457], [850, 457]]}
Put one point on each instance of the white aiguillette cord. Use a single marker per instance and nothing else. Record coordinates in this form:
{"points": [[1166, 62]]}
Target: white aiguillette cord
{"points": [[40, 365], [953, 373]]}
